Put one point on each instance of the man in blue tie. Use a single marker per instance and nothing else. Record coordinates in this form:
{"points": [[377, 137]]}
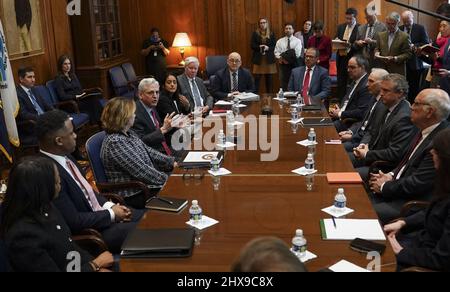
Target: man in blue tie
{"points": [[31, 105]]}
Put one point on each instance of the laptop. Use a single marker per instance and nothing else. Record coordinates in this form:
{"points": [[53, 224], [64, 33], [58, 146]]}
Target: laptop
{"points": [[162, 243]]}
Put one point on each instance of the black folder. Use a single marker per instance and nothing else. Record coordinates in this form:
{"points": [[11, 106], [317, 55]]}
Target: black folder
{"points": [[199, 165], [162, 243], [317, 122]]}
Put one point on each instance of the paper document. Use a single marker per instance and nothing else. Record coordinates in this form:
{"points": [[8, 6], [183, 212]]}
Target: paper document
{"points": [[346, 267], [199, 157], [206, 222], [307, 143], [339, 44], [224, 103], [337, 214], [350, 229], [304, 172], [248, 97], [221, 172]]}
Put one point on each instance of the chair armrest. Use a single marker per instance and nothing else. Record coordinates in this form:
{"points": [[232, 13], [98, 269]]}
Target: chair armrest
{"points": [[117, 199], [93, 90], [416, 205], [70, 104], [93, 244], [417, 270], [349, 122]]}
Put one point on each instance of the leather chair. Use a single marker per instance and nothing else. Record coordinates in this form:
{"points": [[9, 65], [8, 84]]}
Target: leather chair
{"points": [[214, 64], [122, 87], [131, 76], [95, 93]]}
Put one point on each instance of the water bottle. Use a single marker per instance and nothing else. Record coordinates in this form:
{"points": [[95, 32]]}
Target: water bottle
{"points": [[309, 179], [300, 101], [230, 118], [340, 201], [215, 165], [195, 212], [281, 94], [222, 139], [294, 114], [310, 163], [312, 136], [299, 244]]}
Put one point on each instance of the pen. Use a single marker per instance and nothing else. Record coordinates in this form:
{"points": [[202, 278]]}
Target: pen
{"points": [[165, 200], [334, 222], [323, 120]]}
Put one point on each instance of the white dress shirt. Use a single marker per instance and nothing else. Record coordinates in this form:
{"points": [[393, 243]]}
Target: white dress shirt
{"points": [[282, 46]]}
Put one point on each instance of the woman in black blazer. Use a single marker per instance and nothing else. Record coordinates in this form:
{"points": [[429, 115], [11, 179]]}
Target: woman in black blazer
{"points": [[430, 247], [170, 100], [264, 63], [37, 238], [68, 87]]}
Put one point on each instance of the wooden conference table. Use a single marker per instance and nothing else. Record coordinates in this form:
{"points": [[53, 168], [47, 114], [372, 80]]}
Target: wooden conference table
{"points": [[263, 199]]}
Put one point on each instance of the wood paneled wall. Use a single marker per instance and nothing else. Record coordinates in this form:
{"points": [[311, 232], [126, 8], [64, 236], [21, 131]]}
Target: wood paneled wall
{"points": [[57, 40]]}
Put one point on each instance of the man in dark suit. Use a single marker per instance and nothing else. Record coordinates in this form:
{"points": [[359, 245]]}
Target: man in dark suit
{"points": [[312, 81], [31, 105], [396, 132], [414, 67], [148, 125], [233, 80], [193, 88], [371, 123], [358, 98], [80, 206], [348, 32], [414, 177]]}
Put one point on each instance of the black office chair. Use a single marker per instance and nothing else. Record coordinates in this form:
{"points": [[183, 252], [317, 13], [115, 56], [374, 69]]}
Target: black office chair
{"points": [[214, 64]]}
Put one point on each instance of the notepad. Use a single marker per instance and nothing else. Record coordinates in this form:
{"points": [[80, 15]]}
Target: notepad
{"points": [[344, 178], [347, 267], [349, 229], [164, 204]]}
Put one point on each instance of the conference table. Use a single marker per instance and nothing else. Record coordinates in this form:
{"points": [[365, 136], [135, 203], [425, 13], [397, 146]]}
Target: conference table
{"points": [[263, 199]]}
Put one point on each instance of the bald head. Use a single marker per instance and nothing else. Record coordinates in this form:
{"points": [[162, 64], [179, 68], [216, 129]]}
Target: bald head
{"points": [[408, 18], [374, 81], [430, 107], [234, 61]]}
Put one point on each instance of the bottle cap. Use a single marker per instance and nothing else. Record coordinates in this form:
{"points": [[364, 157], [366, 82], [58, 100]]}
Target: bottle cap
{"points": [[310, 156], [299, 232], [341, 191], [195, 202]]}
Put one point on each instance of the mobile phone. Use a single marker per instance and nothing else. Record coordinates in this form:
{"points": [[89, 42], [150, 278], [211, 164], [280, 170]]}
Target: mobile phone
{"points": [[366, 246]]}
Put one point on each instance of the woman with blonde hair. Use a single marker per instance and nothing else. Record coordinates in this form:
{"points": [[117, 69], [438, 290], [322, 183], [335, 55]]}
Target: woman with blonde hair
{"points": [[126, 157]]}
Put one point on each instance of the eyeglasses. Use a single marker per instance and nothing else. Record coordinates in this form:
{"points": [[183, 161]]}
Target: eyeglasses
{"points": [[234, 61], [152, 92], [420, 103]]}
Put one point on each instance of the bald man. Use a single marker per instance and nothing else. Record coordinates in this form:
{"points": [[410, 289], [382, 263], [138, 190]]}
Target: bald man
{"points": [[232, 80]]}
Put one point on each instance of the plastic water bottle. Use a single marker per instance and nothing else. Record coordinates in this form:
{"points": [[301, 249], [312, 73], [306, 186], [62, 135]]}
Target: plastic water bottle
{"points": [[299, 244], [310, 164], [195, 212], [215, 165], [312, 136], [230, 117], [300, 101], [340, 201], [281, 94], [222, 139], [294, 114]]}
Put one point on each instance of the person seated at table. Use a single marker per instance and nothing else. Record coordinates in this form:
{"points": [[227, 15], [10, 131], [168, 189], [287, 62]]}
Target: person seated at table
{"points": [[68, 87], [171, 100], [429, 247], [312, 81], [36, 235], [232, 80], [267, 255], [126, 157]]}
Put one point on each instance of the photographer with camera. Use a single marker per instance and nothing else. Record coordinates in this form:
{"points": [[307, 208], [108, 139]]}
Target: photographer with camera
{"points": [[155, 52]]}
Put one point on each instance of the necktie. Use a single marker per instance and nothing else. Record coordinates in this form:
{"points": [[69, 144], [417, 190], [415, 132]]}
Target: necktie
{"points": [[368, 117], [196, 94], [36, 105], [289, 44], [305, 90], [405, 161], [86, 187], [370, 33], [391, 39], [164, 143], [235, 83]]}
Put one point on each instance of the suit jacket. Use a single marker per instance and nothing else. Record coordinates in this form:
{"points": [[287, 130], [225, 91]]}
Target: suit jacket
{"points": [[166, 105], [359, 101], [221, 84], [400, 48], [373, 126], [185, 89], [320, 87], [431, 247], [42, 244], [417, 180], [394, 136], [418, 37], [256, 42], [369, 50], [325, 48], [146, 129], [27, 111]]}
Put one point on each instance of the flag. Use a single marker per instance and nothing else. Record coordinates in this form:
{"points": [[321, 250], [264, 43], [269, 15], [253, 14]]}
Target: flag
{"points": [[374, 7], [9, 104]]}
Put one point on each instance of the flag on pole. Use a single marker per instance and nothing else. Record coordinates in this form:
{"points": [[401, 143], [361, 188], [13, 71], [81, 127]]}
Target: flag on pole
{"points": [[9, 104]]}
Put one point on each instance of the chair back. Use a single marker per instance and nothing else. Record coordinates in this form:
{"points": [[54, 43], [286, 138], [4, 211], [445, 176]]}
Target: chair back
{"points": [[52, 89], [93, 149], [43, 92], [119, 81], [130, 74], [214, 64]]}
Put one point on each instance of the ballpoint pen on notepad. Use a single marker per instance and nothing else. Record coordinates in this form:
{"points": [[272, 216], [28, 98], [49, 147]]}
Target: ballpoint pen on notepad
{"points": [[165, 200], [334, 222]]}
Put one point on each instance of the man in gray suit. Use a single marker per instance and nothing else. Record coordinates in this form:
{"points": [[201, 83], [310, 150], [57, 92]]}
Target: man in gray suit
{"points": [[414, 177], [312, 81], [365, 40], [193, 88]]}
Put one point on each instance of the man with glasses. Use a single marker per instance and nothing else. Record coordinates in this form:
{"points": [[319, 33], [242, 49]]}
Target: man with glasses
{"points": [[148, 125], [311, 81], [232, 80], [413, 178]]}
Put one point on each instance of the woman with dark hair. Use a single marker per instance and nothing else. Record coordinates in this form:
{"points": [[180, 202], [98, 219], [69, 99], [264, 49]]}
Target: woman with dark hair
{"points": [[36, 236], [68, 87], [170, 99], [430, 247], [264, 63], [306, 33], [321, 42], [155, 50]]}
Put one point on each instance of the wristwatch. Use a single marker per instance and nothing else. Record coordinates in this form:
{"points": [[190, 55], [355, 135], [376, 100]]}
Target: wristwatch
{"points": [[95, 266]]}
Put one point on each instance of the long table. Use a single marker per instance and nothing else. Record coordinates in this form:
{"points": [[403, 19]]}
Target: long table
{"points": [[263, 199]]}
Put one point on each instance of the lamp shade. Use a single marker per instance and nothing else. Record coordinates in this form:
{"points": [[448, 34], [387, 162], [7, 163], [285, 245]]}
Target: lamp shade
{"points": [[181, 40]]}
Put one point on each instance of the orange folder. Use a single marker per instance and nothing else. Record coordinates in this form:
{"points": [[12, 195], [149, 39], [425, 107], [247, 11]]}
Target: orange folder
{"points": [[344, 178]]}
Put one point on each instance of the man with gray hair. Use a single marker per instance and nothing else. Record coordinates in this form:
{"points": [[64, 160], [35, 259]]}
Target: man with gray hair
{"points": [[393, 46], [193, 87], [413, 179], [148, 125]]}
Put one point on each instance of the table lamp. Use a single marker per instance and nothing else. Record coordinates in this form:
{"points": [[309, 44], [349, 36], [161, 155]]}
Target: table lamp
{"points": [[181, 41]]}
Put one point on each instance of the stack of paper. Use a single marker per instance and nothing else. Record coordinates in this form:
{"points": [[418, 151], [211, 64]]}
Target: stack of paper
{"points": [[350, 229], [307, 143], [248, 97], [304, 172], [223, 103]]}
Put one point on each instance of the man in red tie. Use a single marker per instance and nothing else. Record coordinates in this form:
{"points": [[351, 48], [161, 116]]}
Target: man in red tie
{"points": [[311, 81]]}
